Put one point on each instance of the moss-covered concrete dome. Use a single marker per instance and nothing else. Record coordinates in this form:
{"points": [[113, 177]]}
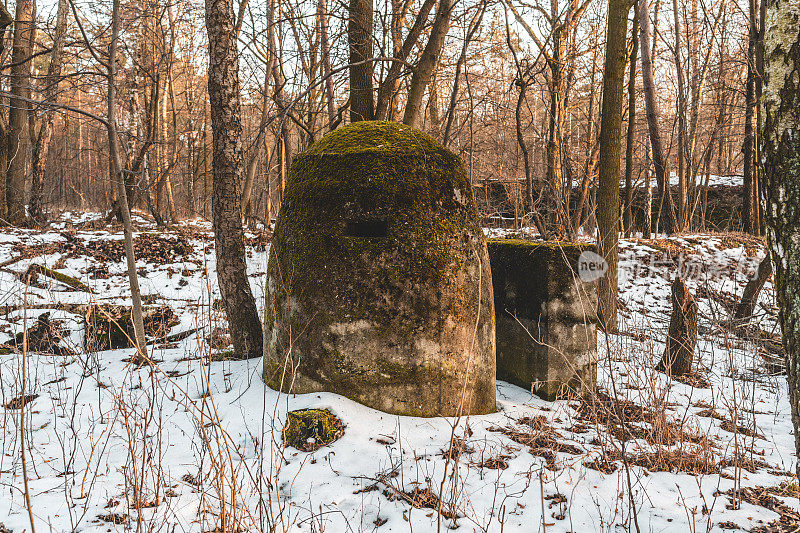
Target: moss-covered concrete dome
{"points": [[378, 284]]}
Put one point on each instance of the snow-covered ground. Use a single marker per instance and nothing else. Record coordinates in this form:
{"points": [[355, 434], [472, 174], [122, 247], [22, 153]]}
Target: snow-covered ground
{"points": [[194, 444], [730, 180]]}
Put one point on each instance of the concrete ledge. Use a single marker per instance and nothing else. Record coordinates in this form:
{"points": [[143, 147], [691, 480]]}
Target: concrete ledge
{"points": [[546, 334]]}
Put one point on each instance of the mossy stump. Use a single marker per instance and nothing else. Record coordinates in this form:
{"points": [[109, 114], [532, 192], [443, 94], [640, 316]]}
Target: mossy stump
{"points": [[378, 283], [546, 316], [311, 429]]}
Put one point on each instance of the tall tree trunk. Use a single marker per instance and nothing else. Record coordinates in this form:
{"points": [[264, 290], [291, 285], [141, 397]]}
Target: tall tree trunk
{"points": [[386, 105], [170, 140], [609, 163], [631, 127], [325, 52], [6, 20], [748, 198], [781, 164], [19, 109], [758, 217], [359, 37], [258, 144], [557, 91], [41, 142], [648, 196], [667, 212], [683, 201], [578, 217], [117, 172], [226, 127], [423, 73]]}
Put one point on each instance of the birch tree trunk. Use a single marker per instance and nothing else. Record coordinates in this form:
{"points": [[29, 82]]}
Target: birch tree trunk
{"points": [[781, 164], [609, 162], [226, 127]]}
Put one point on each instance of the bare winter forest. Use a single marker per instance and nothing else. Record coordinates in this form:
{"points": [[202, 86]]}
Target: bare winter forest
{"points": [[514, 89], [411, 265]]}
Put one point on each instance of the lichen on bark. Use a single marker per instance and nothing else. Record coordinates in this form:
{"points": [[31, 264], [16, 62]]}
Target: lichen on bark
{"points": [[781, 172]]}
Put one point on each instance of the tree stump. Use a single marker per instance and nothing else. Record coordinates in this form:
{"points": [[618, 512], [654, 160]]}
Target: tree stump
{"points": [[682, 335], [745, 309]]}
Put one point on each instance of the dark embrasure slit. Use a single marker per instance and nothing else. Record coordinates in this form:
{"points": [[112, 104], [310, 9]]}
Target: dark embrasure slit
{"points": [[367, 228]]}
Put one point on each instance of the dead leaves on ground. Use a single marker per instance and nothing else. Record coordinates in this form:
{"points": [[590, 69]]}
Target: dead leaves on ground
{"points": [[541, 439], [789, 520], [20, 401], [151, 247]]}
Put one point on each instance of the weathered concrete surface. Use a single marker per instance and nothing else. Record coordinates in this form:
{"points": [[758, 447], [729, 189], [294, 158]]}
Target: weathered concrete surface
{"points": [[379, 285], [546, 330]]}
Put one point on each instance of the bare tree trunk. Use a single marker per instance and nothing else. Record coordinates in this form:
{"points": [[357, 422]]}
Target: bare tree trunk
{"points": [[42, 136], [359, 37], [781, 164], [682, 336], [284, 151], [325, 52], [118, 171], [609, 163], [591, 152], [6, 20], [226, 126], [683, 201], [748, 198], [631, 127], [648, 198], [172, 142], [426, 67], [19, 109], [386, 106], [255, 151], [758, 217], [667, 218], [555, 124]]}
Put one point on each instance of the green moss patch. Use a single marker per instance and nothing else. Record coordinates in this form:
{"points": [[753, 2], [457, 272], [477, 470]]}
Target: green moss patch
{"points": [[311, 429], [73, 283], [374, 195]]}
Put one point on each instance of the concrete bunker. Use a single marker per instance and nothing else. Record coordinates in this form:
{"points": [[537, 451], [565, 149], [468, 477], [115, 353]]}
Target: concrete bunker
{"points": [[378, 283], [545, 316]]}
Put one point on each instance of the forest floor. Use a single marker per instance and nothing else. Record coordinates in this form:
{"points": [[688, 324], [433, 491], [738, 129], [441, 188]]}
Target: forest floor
{"points": [[192, 442]]}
